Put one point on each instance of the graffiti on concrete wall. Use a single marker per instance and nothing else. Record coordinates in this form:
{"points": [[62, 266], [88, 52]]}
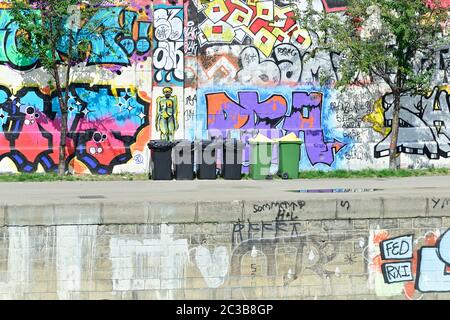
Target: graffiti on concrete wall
{"points": [[433, 266], [410, 266], [264, 22], [282, 251], [218, 67], [283, 66], [167, 114], [135, 259], [168, 56], [302, 114], [121, 37], [423, 124], [213, 266], [197, 46], [103, 124], [190, 35], [443, 63], [401, 249]]}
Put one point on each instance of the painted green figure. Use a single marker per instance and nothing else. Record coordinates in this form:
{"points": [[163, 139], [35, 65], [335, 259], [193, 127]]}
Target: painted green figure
{"points": [[167, 114]]}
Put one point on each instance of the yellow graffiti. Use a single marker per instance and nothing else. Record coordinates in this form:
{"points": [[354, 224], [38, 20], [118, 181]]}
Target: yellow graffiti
{"points": [[437, 103], [376, 118], [263, 21], [445, 88]]}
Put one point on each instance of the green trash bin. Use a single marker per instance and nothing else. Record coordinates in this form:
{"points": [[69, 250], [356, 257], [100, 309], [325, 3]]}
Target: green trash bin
{"points": [[260, 157], [289, 156]]}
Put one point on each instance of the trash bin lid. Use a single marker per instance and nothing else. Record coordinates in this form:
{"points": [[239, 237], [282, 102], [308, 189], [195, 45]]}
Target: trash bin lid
{"points": [[290, 138], [260, 138], [184, 144], [231, 143], [161, 145], [205, 143]]}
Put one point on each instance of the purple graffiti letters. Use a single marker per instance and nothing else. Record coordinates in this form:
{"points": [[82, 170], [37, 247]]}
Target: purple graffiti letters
{"points": [[273, 113]]}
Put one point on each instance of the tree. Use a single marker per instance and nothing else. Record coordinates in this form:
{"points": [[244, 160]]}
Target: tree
{"points": [[48, 32], [381, 41]]}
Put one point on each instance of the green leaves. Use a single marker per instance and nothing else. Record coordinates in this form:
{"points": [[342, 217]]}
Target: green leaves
{"points": [[380, 40], [44, 23]]}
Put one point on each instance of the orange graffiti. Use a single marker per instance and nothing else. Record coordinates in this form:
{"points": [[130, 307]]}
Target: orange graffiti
{"points": [[220, 103], [409, 289], [380, 236], [376, 263], [431, 239], [303, 121], [241, 121]]}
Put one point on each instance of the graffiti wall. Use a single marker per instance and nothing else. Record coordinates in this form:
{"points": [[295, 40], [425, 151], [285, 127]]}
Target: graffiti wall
{"points": [[203, 69], [409, 265], [274, 253], [251, 68], [109, 97]]}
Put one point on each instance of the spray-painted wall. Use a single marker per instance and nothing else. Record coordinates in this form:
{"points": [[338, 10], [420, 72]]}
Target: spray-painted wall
{"points": [[198, 70], [273, 254], [109, 105]]}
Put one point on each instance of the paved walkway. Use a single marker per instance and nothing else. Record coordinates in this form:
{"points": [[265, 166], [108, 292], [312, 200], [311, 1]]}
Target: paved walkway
{"points": [[220, 190]]}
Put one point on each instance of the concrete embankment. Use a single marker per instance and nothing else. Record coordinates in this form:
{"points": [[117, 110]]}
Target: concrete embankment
{"points": [[376, 239]]}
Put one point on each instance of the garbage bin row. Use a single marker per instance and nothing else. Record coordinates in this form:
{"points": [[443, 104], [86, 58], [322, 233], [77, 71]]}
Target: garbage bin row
{"points": [[182, 155]]}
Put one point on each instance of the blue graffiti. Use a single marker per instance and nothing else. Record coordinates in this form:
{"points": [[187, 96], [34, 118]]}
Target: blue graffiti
{"points": [[103, 124], [109, 33], [432, 270]]}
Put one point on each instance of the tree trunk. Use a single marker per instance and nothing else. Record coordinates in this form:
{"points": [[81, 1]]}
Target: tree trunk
{"points": [[394, 133], [62, 143], [64, 115], [64, 111], [63, 100]]}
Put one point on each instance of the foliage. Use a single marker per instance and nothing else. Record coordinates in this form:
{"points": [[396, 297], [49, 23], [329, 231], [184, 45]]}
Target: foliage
{"points": [[392, 41], [49, 27], [382, 41], [49, 30]]}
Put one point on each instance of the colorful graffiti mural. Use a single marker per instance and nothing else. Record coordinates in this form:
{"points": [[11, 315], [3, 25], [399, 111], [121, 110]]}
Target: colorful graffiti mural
{"points": [[167, 114], [264, 22], [103, 124], [409, 265], [121, 37], [284, 66], [234, 68], [168, 53], [276, 116]]}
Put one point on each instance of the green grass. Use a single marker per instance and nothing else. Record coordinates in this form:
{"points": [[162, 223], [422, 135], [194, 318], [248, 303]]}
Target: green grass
{"points": [[371, 173], [43, 177], [337, 174]]}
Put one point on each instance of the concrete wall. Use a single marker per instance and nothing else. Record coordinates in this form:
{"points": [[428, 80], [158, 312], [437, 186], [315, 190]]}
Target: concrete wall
{"points": [[233, 68], [277, 250]]}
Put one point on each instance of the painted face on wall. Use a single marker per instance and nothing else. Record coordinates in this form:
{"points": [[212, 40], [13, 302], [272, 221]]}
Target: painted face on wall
{"points": [[103, 147], [31, 114], [167, 92], [96, 143]]}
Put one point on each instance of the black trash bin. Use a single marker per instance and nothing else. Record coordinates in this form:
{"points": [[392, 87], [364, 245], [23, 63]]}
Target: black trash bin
{"points": [[161, 159], [184, 156], [206, 160], [232, 159]]}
